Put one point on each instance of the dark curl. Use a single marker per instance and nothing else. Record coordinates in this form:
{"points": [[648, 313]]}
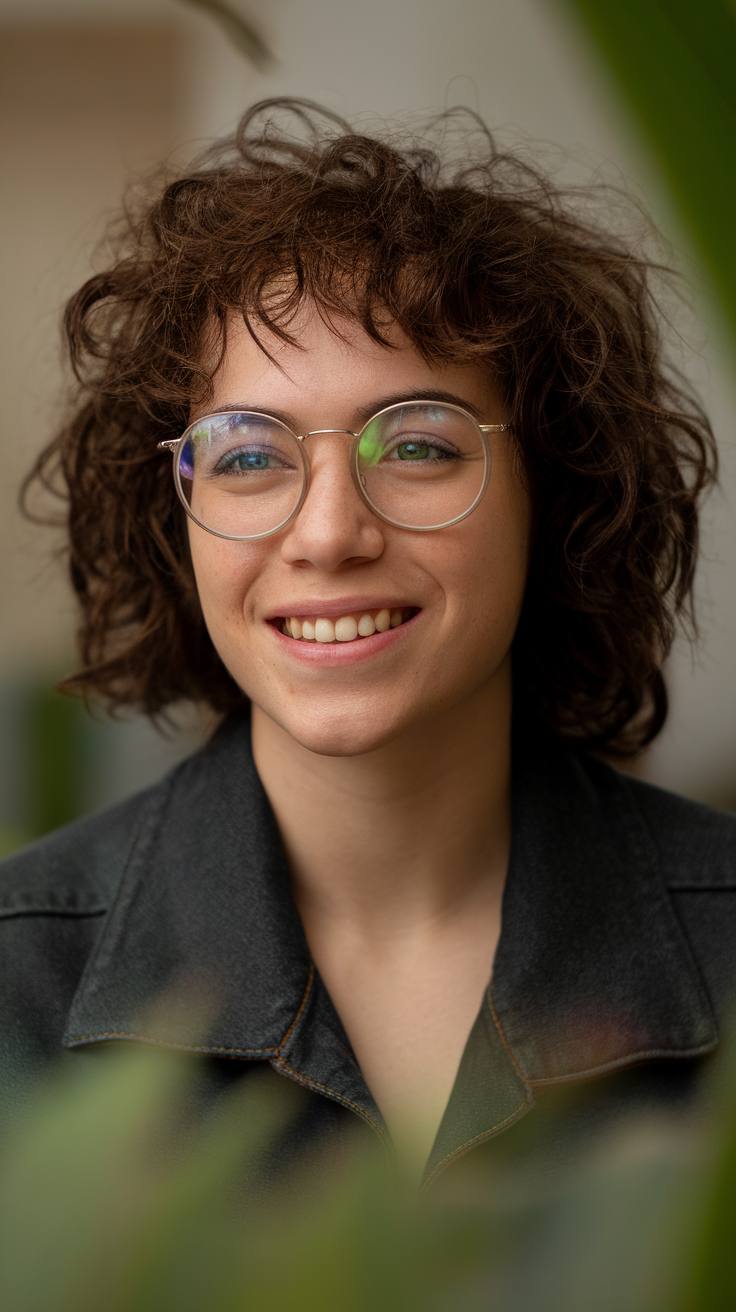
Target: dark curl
{"points": [[477, 261]]}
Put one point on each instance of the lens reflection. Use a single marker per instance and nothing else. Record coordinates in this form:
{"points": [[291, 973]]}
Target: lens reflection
{"points": [[419, 465], [422, 466], [241, 474]]}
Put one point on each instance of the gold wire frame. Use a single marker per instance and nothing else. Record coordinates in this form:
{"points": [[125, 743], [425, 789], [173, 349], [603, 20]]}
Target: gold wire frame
{"points": [[175, 446]]}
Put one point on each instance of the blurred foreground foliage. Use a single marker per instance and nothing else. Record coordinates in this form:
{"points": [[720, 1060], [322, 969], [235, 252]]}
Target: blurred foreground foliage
{"points": [[114, 1196], [675, 61], [111, 1199]]}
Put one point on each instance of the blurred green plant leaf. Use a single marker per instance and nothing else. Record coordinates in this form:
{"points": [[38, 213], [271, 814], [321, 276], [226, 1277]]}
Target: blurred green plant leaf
{"points": [[710, 1276], [117, 1194], [121, 1189], [675, 61], [11, 840], [56, 748], [244, 36]]}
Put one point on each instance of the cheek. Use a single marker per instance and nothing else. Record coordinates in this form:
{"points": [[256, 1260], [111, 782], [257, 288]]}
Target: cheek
{"points": [[485, 573], [224, 573]]}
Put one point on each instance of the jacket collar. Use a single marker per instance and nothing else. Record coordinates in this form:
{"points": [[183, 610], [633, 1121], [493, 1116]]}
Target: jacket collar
{"points": [[592, 971], [205, 898]]}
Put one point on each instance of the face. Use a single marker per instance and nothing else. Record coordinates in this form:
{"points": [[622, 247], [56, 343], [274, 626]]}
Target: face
{"points": [[454, 595]]}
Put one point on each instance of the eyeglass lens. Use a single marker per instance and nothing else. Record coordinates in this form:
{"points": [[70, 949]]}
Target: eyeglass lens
{"points": [[418, 465], [421, 466], [241, 474]]}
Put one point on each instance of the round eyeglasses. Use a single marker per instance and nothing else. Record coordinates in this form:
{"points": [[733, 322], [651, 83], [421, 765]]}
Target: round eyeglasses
{"points": [[419, 465]]}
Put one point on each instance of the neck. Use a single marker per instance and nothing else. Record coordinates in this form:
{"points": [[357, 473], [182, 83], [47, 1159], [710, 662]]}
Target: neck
{"points": [[403, 836]]}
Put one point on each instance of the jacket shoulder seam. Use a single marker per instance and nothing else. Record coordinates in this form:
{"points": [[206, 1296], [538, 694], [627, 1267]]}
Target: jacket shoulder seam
{"points": [[62, 913], [63, 873], [77, 1040]]}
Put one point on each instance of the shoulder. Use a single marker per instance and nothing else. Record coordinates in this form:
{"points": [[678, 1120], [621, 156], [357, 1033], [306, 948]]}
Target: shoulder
{"points": [[693, 845], [53, 899], [75, 870], [673, 847], [696, 853], [696, 843]]}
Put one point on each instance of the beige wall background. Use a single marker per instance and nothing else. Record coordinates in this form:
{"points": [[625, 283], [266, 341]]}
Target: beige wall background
{"points": [[94, 92], [81, 112]]}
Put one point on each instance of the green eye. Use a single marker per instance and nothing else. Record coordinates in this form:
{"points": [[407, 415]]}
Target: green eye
{"points": [[251, 460], [414, 451], [248, 461]]}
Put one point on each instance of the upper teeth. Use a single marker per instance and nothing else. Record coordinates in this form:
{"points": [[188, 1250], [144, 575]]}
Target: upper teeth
{"points": [[346, 629]]}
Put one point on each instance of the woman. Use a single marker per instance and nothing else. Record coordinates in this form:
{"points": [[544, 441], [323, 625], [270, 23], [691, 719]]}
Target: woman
{"points": [[429, 476]]}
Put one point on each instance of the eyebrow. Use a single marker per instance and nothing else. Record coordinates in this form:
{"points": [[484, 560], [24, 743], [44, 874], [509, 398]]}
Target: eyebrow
{"points": [[364, 412], [449, 398]]}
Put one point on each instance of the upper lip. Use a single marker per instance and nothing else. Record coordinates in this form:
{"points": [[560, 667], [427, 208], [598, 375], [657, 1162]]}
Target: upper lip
{"points": [[334, 609]]}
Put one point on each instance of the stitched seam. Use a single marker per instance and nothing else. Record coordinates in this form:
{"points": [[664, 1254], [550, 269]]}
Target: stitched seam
{"points": [[617, 1064], [487, 1134], [195, 1047], [142, 838], [301, 1009], [163, 1043], [68, 913], [621, 1063], [309, 1083], [504, 1040]]}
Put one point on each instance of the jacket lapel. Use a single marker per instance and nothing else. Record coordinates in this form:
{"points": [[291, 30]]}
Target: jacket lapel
{"points": [[593, 970], [204, 902], [204, 921]]}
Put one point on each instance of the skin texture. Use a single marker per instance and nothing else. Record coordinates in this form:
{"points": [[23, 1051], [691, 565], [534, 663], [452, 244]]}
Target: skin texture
{"points": [[388, 776]]}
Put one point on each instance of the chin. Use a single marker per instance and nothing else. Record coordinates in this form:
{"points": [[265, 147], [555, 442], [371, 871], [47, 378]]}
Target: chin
{"points": [[341, 731]]}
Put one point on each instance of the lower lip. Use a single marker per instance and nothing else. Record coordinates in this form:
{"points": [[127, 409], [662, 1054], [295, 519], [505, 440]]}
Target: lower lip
{"points": [[342, 653]]}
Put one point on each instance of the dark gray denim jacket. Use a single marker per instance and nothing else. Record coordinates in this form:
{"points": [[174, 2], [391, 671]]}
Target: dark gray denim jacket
{"points": [[617, 956]]}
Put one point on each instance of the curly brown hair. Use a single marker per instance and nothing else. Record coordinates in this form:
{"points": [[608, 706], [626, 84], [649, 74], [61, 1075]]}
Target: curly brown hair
{"points": [[480, 260]]}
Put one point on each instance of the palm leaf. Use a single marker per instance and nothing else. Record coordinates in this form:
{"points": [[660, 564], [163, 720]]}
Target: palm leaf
{"points": [[675, 61], [240, 30]]}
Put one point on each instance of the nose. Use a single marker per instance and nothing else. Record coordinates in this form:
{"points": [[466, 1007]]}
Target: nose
{"points": [[334, 527]]}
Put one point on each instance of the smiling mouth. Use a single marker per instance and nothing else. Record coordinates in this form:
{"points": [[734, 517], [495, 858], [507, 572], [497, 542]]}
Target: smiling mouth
{"points": [[352, 627]]}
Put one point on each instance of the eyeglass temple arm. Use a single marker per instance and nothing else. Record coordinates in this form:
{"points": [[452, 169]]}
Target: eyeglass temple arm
{"points": [[495, 428], [168, 445]]}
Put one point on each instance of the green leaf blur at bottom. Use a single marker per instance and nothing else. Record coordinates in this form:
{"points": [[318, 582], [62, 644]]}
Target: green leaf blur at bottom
{"points": [[116, 1194], [710, 1283], [108, 1199]]}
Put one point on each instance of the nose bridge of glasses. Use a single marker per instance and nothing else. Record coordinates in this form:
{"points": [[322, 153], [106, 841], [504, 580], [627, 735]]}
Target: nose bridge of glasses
{"points": [[318, 432]]}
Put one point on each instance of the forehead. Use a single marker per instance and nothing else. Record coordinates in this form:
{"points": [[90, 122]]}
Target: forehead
{"points": [[334, 366]]}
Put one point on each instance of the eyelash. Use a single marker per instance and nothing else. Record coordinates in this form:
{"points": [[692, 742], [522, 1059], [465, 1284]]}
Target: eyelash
{"points": [[228, 460]]}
